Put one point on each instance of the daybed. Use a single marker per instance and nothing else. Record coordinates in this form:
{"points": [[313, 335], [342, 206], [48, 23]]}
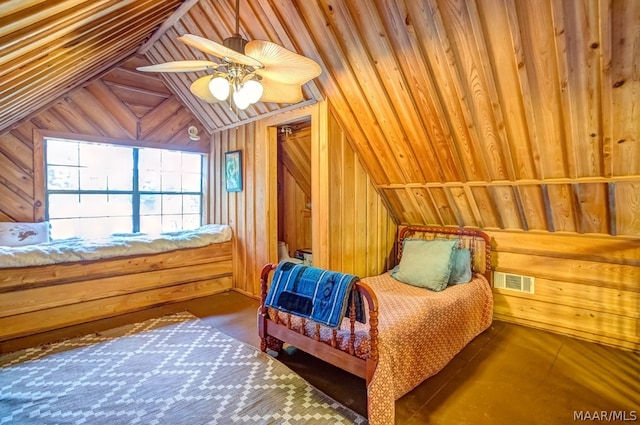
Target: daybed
{"points": [[62, 283], [411, 332]]}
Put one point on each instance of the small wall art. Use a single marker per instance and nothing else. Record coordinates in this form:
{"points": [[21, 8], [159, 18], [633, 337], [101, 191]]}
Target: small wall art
{"points": [[233, 171]]}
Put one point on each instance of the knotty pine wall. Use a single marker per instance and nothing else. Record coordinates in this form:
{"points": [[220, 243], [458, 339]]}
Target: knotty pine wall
{"points": [[352, 230], [124, 106], [586, 286]]}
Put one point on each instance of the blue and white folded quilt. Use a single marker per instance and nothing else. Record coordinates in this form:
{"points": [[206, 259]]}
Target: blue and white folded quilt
{"points": [[316, 294]]}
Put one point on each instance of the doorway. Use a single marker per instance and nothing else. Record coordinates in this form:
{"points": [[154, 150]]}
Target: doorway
{"points": [[294, 191]]}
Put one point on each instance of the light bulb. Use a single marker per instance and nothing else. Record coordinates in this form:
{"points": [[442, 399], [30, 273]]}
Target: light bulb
{"points": [[219, 88], [241, 99], [253, 90]]}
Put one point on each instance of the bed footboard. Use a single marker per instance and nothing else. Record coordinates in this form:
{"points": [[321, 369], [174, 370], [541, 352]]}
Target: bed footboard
{"points": [[274, 333]]}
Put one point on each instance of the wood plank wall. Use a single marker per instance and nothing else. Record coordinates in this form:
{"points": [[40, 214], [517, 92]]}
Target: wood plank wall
{"points": [[361, 231], [585, 286], [124, 106], [364, 222]]}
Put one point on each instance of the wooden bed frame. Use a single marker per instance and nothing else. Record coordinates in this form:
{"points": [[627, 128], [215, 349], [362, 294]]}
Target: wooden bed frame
{"points": [[42, 298], [273, 334]]}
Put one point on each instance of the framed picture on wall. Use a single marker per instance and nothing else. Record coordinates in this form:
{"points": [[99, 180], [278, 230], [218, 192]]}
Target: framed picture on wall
{"points": [[233, 171]]}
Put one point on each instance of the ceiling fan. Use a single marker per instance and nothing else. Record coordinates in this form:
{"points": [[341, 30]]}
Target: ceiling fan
{"points": [[249, 71]]}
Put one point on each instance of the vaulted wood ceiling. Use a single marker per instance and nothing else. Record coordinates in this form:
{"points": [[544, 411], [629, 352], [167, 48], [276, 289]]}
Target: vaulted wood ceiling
{"points": [[513, 114]]}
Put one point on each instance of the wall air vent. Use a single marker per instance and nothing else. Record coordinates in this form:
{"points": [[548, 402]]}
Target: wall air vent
{"points": [[513, 282]]}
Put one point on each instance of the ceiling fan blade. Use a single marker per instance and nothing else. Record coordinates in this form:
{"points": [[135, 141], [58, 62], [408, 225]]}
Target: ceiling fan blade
{"points": [[218, 50], [280, 93], [180, 66], [200, 88], [280, 64]]}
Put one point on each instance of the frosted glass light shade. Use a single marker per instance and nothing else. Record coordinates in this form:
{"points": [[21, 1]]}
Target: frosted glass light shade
{"points": [[219, 88], [241, 99], [252, 90]]}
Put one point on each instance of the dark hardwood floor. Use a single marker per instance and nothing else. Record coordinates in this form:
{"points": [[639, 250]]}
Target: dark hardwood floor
{"points": [[508, 375]]}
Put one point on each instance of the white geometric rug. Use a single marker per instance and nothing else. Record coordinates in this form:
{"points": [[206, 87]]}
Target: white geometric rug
{"points": [[172, 370]]}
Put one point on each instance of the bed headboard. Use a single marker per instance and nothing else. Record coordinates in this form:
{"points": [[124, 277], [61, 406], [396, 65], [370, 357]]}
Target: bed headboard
{"points": [[476, 241]]}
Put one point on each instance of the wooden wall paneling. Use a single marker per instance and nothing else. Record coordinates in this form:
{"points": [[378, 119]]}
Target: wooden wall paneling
{"points": [[618, 276], [155, 119], [427, 22], [348, 99], [447, 209], [542, 72], [15, 177], [477, 90], [369, 26], [488, 213], [347, 33], [578, 66], [627, 213], [596, 326], [532, 203], [560, 208], [586, 286], [503, 49], [625, 92], [49, 120], [423, 203], [73, 117], [356, 215], [406, 204], [105, 124], [591, 201], [332, 161], [509, 212], [123, 115], [464, 206], [423, 94]]}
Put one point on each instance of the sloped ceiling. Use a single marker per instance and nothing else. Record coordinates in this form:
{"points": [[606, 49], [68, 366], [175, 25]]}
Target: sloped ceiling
{"points": [[507, 114], [52, 46]]}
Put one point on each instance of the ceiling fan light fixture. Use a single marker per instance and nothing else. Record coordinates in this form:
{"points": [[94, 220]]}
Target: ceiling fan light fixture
{"points": [[240, 99], [253, 90], [219, 87]]}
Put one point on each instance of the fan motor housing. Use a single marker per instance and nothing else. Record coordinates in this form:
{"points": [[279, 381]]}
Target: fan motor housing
{"points": [[235, 42]]}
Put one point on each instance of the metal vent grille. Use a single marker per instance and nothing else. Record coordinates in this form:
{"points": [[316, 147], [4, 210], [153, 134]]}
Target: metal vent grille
{"points": [[513, 282]]}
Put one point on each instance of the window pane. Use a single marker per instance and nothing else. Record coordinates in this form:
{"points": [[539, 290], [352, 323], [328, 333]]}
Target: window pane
{"points": [[93, 179], [150, 180], [191, 182], [62, 178], [192, 162], [190, 221], [150, 204], [171, 223], [170, 182], [171, 160], [63, 206], [191, 204], [149, 159], [171, 204], [62, 152], [151, 224], [104, 169]]}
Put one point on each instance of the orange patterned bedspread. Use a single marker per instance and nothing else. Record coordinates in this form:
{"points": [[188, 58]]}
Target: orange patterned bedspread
{"points": [[420, 332]]}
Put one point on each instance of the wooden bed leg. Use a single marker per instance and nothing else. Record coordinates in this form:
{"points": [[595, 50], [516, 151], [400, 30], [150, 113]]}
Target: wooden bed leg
{"points": [[273, 344]]}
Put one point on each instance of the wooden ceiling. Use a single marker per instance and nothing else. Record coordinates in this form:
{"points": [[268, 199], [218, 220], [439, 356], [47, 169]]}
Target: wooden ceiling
{"points": [[505, 114]]}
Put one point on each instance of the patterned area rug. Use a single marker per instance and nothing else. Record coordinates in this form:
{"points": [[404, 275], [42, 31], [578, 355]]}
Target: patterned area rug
{"points": [[171, 370]]}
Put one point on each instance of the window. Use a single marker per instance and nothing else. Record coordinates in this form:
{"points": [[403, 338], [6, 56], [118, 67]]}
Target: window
{"points": [[94, 190]]}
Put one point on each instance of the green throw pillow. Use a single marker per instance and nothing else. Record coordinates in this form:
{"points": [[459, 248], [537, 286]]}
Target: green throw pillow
{"points": [[426, 264], [461, 270]]}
